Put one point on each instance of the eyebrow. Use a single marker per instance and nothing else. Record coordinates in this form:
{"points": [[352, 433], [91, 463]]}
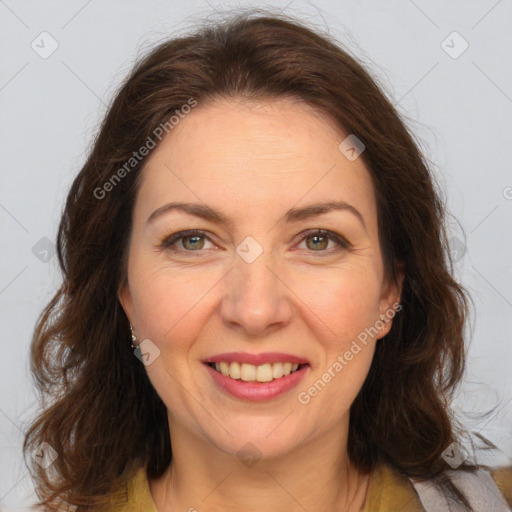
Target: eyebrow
{"points": [[293, 215]]}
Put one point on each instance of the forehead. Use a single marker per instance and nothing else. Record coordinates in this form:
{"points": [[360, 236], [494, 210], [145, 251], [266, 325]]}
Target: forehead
{"points": [[235, 154]]}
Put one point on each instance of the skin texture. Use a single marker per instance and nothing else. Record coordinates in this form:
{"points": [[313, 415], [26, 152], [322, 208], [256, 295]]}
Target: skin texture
{"points": [[253, 161]]}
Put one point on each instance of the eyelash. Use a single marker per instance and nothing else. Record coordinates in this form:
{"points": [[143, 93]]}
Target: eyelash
{"points": [[169, 240]]}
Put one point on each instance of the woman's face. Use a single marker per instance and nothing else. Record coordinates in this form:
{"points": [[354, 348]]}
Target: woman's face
{"points": [[248, 285]]}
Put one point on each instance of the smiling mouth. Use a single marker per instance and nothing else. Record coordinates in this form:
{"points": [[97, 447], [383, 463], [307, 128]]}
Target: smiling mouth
{"points": [[256, 373]]}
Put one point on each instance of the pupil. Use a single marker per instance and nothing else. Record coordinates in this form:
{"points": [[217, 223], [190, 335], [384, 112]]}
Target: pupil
{"points": [[195, 239], [318, 240]]}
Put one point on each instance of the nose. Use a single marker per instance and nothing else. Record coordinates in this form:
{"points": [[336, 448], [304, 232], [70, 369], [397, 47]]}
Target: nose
{"points": [[255, 297]]}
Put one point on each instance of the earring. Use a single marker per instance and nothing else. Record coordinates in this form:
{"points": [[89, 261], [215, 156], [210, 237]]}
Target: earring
{"points": [[134, 338]]}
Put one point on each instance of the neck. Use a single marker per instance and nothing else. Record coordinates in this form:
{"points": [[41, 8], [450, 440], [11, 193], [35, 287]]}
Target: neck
{"points": [[317, 476]]}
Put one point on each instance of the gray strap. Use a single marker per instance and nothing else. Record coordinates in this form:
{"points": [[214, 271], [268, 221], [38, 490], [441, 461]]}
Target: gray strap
{"points": [[479, 489]]}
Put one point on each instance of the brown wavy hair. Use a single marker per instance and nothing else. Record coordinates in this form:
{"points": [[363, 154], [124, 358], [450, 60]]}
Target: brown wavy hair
{"points": [[100, 412]]}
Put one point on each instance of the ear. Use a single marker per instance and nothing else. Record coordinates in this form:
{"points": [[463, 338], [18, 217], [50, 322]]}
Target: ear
{"points": [[390, 299], [125, 298]]}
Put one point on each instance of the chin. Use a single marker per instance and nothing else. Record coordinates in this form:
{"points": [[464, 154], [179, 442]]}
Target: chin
{"points": [[255, 437]]}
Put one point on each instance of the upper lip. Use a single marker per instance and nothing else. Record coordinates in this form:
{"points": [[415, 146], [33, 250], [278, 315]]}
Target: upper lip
{"points": [[256, 359]]}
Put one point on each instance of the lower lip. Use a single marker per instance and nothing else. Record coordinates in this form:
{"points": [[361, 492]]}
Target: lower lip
{"points": [[257, 391]]}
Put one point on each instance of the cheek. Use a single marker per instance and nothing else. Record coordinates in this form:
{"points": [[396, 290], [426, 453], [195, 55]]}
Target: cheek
{"points": [[342, 306], [170, 308], [341, 302], [169, 303]]}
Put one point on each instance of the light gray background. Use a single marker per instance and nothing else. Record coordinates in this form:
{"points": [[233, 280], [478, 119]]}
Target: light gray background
{"points": [[459, 108]]}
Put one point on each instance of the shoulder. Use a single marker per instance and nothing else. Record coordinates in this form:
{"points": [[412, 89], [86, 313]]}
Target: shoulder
{"points": [[503, 479], [135, 495], [391, 490], [484, 488]]}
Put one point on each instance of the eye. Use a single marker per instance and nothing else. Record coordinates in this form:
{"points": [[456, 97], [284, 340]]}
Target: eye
{"points": [[193, 241], [190, 240], [320, 240]]}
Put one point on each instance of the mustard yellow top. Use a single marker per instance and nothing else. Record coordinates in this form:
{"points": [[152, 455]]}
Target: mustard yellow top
{"points": [[388, 491]]}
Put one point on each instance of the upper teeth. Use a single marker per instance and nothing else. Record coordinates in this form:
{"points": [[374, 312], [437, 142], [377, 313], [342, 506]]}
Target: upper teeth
{"points": [[249, 372]]}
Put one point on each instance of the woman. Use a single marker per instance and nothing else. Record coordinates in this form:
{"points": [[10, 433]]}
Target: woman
{"points": [[255, 217]]}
